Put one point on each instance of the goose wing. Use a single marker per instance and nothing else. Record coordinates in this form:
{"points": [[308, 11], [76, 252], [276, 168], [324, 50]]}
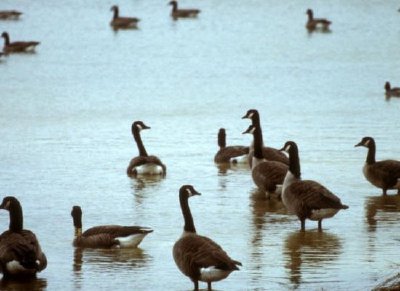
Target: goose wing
{"points": [[272, 154], [115, 230], [387, 171], [268, 174], [224, 155]]}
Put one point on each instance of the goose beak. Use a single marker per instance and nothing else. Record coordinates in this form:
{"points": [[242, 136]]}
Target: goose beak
{"points": [[246, 131], [244, 117], [359, 144]]}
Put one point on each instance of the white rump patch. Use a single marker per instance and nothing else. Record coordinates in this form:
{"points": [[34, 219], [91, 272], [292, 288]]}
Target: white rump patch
{"points": [[131, 241], [212, 274], [14, 267], [240, 159], [149, 169], [323, 213]]}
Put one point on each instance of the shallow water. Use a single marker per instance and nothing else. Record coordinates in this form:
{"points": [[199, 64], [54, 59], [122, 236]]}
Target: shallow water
{"points": [[66, 113]]}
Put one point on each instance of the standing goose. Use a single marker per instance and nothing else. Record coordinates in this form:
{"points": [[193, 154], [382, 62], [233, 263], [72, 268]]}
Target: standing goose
{"points": [[106, 236], [270, 154], [144, 164], [316, 23], [383, 174], [17, 46], [20, 252], [182, 13], [391, 92], [118, 22], [196, 256], [229, 154], [266, 174], [306, 198], [9, 14]]}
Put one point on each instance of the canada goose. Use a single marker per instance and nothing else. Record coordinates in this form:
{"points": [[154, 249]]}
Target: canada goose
{"points": [[316, 23], [17, 46], [198, 257], [270, 154], [383, 174], [267, 175], [106, 236], [144, 164], [118, 22], [9, 14], [391, 92], [182, 13], [229, 154], [306, 198], [20, 252]]}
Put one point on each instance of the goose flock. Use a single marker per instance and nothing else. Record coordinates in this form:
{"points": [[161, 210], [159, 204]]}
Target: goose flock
{"points": [[275, 172]]}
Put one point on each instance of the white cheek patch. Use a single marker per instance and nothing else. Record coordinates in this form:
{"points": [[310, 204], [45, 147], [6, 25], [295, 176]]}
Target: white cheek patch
{"points": [[189, 192], [251, 115], [287, 148], [367, 142], [139, 126]]}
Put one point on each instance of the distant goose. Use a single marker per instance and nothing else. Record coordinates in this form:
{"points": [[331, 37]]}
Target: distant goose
{"points": [[382, 174], [144, 164], [196, 256], [106, 236], [266, 174], [306, 198], [118, 22], [316, 23], [270, 154], [9, 14], [20, 252], [182, 13], [229, 154], [391, 92], [17, 46]]}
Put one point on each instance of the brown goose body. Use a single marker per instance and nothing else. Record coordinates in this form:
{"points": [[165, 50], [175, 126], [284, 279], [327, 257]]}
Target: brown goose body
{"points": [[182, 13], [9, 14], [391, 92], [198, 257], [316, 23], [144, 164], [118, 22], [18, 46], [306, 198], [20, 253], [268, 153], [382, 174], [229, 154], [106, 236]]}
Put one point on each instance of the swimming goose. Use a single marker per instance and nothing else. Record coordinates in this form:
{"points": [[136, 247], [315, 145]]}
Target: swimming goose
{"points": [[229, 154], [9, 14], [182, 13], [118, 22], [17, 46], [198, 257], [391, 92], [382, 174], [306, 198], [270, 154], [144, 164], [106, 236], [266, 174], [316, 23], [20, 252]]}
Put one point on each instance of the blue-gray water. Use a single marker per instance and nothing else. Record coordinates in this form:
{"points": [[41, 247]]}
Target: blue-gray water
{"points": [[66, 113]]}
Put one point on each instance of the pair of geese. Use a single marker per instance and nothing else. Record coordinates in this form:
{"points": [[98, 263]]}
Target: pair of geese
{"points": [[119, 22]]}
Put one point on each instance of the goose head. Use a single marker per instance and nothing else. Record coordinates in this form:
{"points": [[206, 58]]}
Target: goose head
{"points": [[289, 147], [187, 191], [250, 114], [387, 86], [76, 214], [139, 125], [9, 203], [310, 13], [4, 35], [366, 142], [114, 8]]}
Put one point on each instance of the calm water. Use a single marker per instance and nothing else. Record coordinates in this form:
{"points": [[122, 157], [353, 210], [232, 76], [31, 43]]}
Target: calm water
{"points": [[66, 112]]}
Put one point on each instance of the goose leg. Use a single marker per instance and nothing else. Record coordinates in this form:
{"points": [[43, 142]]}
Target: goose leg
{"points": [[303, 225], [209, 286], [384, 192], [320, 225], [196, 285]]}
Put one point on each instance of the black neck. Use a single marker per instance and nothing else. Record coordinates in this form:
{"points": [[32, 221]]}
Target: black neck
{"points": [[258, 143], [294, 161], [310, 15], [187, 215], [221, 139], [371, 152], [138, 139], [174, 6], [16, 217], [116, 12], [6, 38]]}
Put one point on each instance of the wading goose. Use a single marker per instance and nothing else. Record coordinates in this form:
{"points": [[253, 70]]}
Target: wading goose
{"points": [[267, 175], [118, 22], [20, 252], [382, 174], [106, 236], [316, 23], [306, 198], [17, 46], [182, 13], [270, 154], [144, 164], [391, 92], [229, 154], [196, 256], [9, 14]]}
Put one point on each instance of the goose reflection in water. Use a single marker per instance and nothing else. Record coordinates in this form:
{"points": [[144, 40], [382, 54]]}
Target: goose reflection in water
{"points": [[33, 284], [382, 209], [310, 250]]}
